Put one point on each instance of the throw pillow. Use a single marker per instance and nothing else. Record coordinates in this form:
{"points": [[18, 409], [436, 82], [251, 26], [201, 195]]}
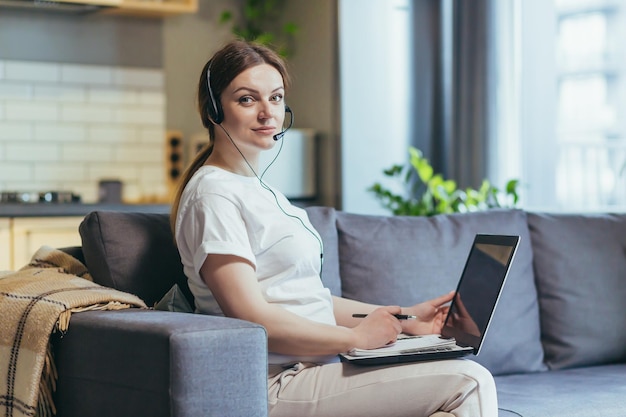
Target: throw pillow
{"points": [[580, 268]]}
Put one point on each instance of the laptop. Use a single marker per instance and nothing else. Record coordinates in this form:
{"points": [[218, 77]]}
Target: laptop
{"points": [[470, 314]]}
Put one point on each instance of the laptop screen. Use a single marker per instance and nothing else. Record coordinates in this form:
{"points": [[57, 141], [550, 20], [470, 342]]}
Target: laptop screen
{"points": [[479, 288]]}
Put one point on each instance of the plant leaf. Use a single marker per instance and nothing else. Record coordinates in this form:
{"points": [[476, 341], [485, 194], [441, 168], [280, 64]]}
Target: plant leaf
{"points": [[428, 193], [291, 28], [226, 16], [264, 38]]}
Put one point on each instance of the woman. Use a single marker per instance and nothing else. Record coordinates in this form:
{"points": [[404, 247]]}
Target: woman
{"points": [[248, 253]]}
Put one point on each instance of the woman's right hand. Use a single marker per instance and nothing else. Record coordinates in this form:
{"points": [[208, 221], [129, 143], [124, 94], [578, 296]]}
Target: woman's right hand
{"points": [[379, 328]]}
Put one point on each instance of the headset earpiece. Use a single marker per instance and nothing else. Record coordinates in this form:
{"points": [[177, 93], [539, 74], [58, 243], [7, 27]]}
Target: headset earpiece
{"points": [[216, 113]]}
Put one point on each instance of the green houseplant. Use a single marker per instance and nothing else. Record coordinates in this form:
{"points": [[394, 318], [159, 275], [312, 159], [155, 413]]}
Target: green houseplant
{"points": [[427, 193], [258, 23]]}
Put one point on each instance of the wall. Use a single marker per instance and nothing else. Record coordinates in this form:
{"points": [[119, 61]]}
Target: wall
{"points": [[179, 46], [315, 94], [34, 35]]}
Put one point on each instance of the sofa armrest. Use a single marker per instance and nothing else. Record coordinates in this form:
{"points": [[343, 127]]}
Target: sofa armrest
{"points": [[155, 363]]}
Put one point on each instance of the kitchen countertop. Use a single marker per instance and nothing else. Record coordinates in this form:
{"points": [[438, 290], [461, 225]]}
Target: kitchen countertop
{"points": [[74, 209]]}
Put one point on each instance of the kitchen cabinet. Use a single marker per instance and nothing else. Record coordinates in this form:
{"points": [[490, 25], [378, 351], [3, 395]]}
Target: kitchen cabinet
{"points": [[6, 248], [153, 8], [28, 234], [141, 8]]}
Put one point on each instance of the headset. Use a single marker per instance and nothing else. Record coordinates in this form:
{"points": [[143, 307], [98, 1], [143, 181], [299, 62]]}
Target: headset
{"points": [[216, 113]]}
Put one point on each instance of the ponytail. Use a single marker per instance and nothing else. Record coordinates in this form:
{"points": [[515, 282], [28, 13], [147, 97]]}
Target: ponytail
{"points": [[197, 162]]}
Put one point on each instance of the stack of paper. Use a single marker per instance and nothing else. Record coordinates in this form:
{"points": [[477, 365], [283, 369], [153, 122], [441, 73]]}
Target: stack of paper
{"points": [[409, 344]]}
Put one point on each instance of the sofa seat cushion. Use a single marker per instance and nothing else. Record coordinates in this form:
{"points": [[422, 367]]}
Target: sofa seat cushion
{"points": [[583, 392], [581, 258], [405, 260]]}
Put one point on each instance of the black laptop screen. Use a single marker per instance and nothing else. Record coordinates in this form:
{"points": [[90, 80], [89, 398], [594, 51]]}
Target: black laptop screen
{"points": [[479, 288]]}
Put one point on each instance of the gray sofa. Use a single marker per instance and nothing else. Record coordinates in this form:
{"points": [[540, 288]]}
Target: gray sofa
{"points": [[556, 346]]}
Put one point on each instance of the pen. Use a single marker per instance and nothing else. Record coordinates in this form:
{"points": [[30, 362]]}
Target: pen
{"points": [[398, 316]]}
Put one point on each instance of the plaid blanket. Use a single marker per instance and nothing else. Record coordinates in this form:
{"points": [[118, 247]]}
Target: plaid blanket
{"points": [[34, 302]]}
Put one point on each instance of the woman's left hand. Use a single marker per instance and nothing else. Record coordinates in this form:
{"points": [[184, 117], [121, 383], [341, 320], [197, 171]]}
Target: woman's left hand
{"points": [[430, 315]]}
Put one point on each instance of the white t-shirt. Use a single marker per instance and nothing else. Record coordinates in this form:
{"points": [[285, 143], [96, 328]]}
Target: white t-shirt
{"points": [[225, 213]]}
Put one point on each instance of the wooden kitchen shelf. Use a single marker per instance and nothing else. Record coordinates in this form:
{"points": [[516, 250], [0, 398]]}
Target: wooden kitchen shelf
{"points": [[153, 8], [141, 8]]}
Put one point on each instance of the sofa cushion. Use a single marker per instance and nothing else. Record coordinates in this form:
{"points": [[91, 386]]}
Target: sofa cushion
{"points": [[324, 221], [581, 258], [133, 252], [583, 392], [405, 260]]}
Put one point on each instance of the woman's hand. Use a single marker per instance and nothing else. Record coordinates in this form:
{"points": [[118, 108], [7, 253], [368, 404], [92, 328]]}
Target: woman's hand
{"points": [[379, 328], [430, 316]]}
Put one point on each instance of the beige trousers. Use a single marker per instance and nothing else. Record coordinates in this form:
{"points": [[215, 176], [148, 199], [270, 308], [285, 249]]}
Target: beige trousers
{"points": [[459, 387]]}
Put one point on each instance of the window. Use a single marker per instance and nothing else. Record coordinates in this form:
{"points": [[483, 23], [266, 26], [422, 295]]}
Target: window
{"points": [[375, 72], [572, 118]]}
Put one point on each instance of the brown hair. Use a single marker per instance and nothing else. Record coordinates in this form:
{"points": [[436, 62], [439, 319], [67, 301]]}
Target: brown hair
{"points": [[226, 64]]}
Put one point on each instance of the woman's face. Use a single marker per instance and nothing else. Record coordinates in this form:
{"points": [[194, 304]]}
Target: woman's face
{"points": [[254, 107]]}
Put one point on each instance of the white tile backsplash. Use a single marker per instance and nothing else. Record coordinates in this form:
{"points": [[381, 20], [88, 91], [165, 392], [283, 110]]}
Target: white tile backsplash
{"points": [[148, 115], [138, 77], [12, 131], [86, 152], [112, 96], [16, 90], [108, 133], [32, 152], [87, 113], [60, 132], [15, 171], [61, 94], [31, 71], [147, 134], [86, 74], [139, 153], [59, 171], [31, 111], [154, 98], [66, 126]]}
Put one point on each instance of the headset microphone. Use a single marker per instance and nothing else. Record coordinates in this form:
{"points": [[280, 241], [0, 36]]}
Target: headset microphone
{"points": [[280, 134]]}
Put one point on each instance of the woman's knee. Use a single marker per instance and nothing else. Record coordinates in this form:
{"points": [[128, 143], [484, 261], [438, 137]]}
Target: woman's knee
{"points": [[475, 371], [480, 374]]}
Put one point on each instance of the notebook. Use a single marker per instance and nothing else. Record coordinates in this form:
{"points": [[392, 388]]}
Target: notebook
{"points": [[470, 314]]}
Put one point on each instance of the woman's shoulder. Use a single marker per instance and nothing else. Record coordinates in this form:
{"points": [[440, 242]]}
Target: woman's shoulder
{"points": [[214, 180], [214, 186]]}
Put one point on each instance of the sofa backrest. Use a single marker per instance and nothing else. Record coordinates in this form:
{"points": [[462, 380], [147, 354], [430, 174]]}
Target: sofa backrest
{"points": [[385, 260], [405, 260], [133, 252]]}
